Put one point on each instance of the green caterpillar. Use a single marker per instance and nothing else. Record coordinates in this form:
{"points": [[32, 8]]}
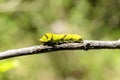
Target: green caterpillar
{"points": [[51, 39]]}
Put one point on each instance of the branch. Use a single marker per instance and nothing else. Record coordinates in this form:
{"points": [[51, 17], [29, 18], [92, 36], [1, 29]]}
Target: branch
{"points": [[85, 45]]}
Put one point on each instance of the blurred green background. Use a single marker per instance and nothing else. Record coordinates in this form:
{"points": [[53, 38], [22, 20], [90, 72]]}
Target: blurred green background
{"points": [[23, 22]]}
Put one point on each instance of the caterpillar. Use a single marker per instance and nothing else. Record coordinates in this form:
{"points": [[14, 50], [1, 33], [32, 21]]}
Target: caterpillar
{"points": [[51, 39]]}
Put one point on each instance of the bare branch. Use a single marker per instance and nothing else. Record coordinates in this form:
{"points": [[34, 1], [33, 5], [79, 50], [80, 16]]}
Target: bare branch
{"points": [[85, 45]]}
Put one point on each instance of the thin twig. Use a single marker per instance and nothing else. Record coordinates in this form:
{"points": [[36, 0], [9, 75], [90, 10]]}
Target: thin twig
{"points": [[85, 45]]}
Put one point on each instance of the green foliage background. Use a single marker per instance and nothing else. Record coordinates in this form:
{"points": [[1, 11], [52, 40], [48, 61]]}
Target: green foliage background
{"points": [[23, 22]]}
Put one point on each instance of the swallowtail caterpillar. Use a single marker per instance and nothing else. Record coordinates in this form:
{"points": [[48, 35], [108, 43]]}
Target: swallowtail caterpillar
{"points": [[51, 39]]}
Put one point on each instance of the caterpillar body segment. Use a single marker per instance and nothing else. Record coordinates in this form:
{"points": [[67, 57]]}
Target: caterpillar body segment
{"points": [[51, 39]]}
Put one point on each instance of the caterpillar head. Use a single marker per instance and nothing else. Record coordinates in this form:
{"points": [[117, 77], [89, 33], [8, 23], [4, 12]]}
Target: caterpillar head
{"points": [[45, 38]]}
